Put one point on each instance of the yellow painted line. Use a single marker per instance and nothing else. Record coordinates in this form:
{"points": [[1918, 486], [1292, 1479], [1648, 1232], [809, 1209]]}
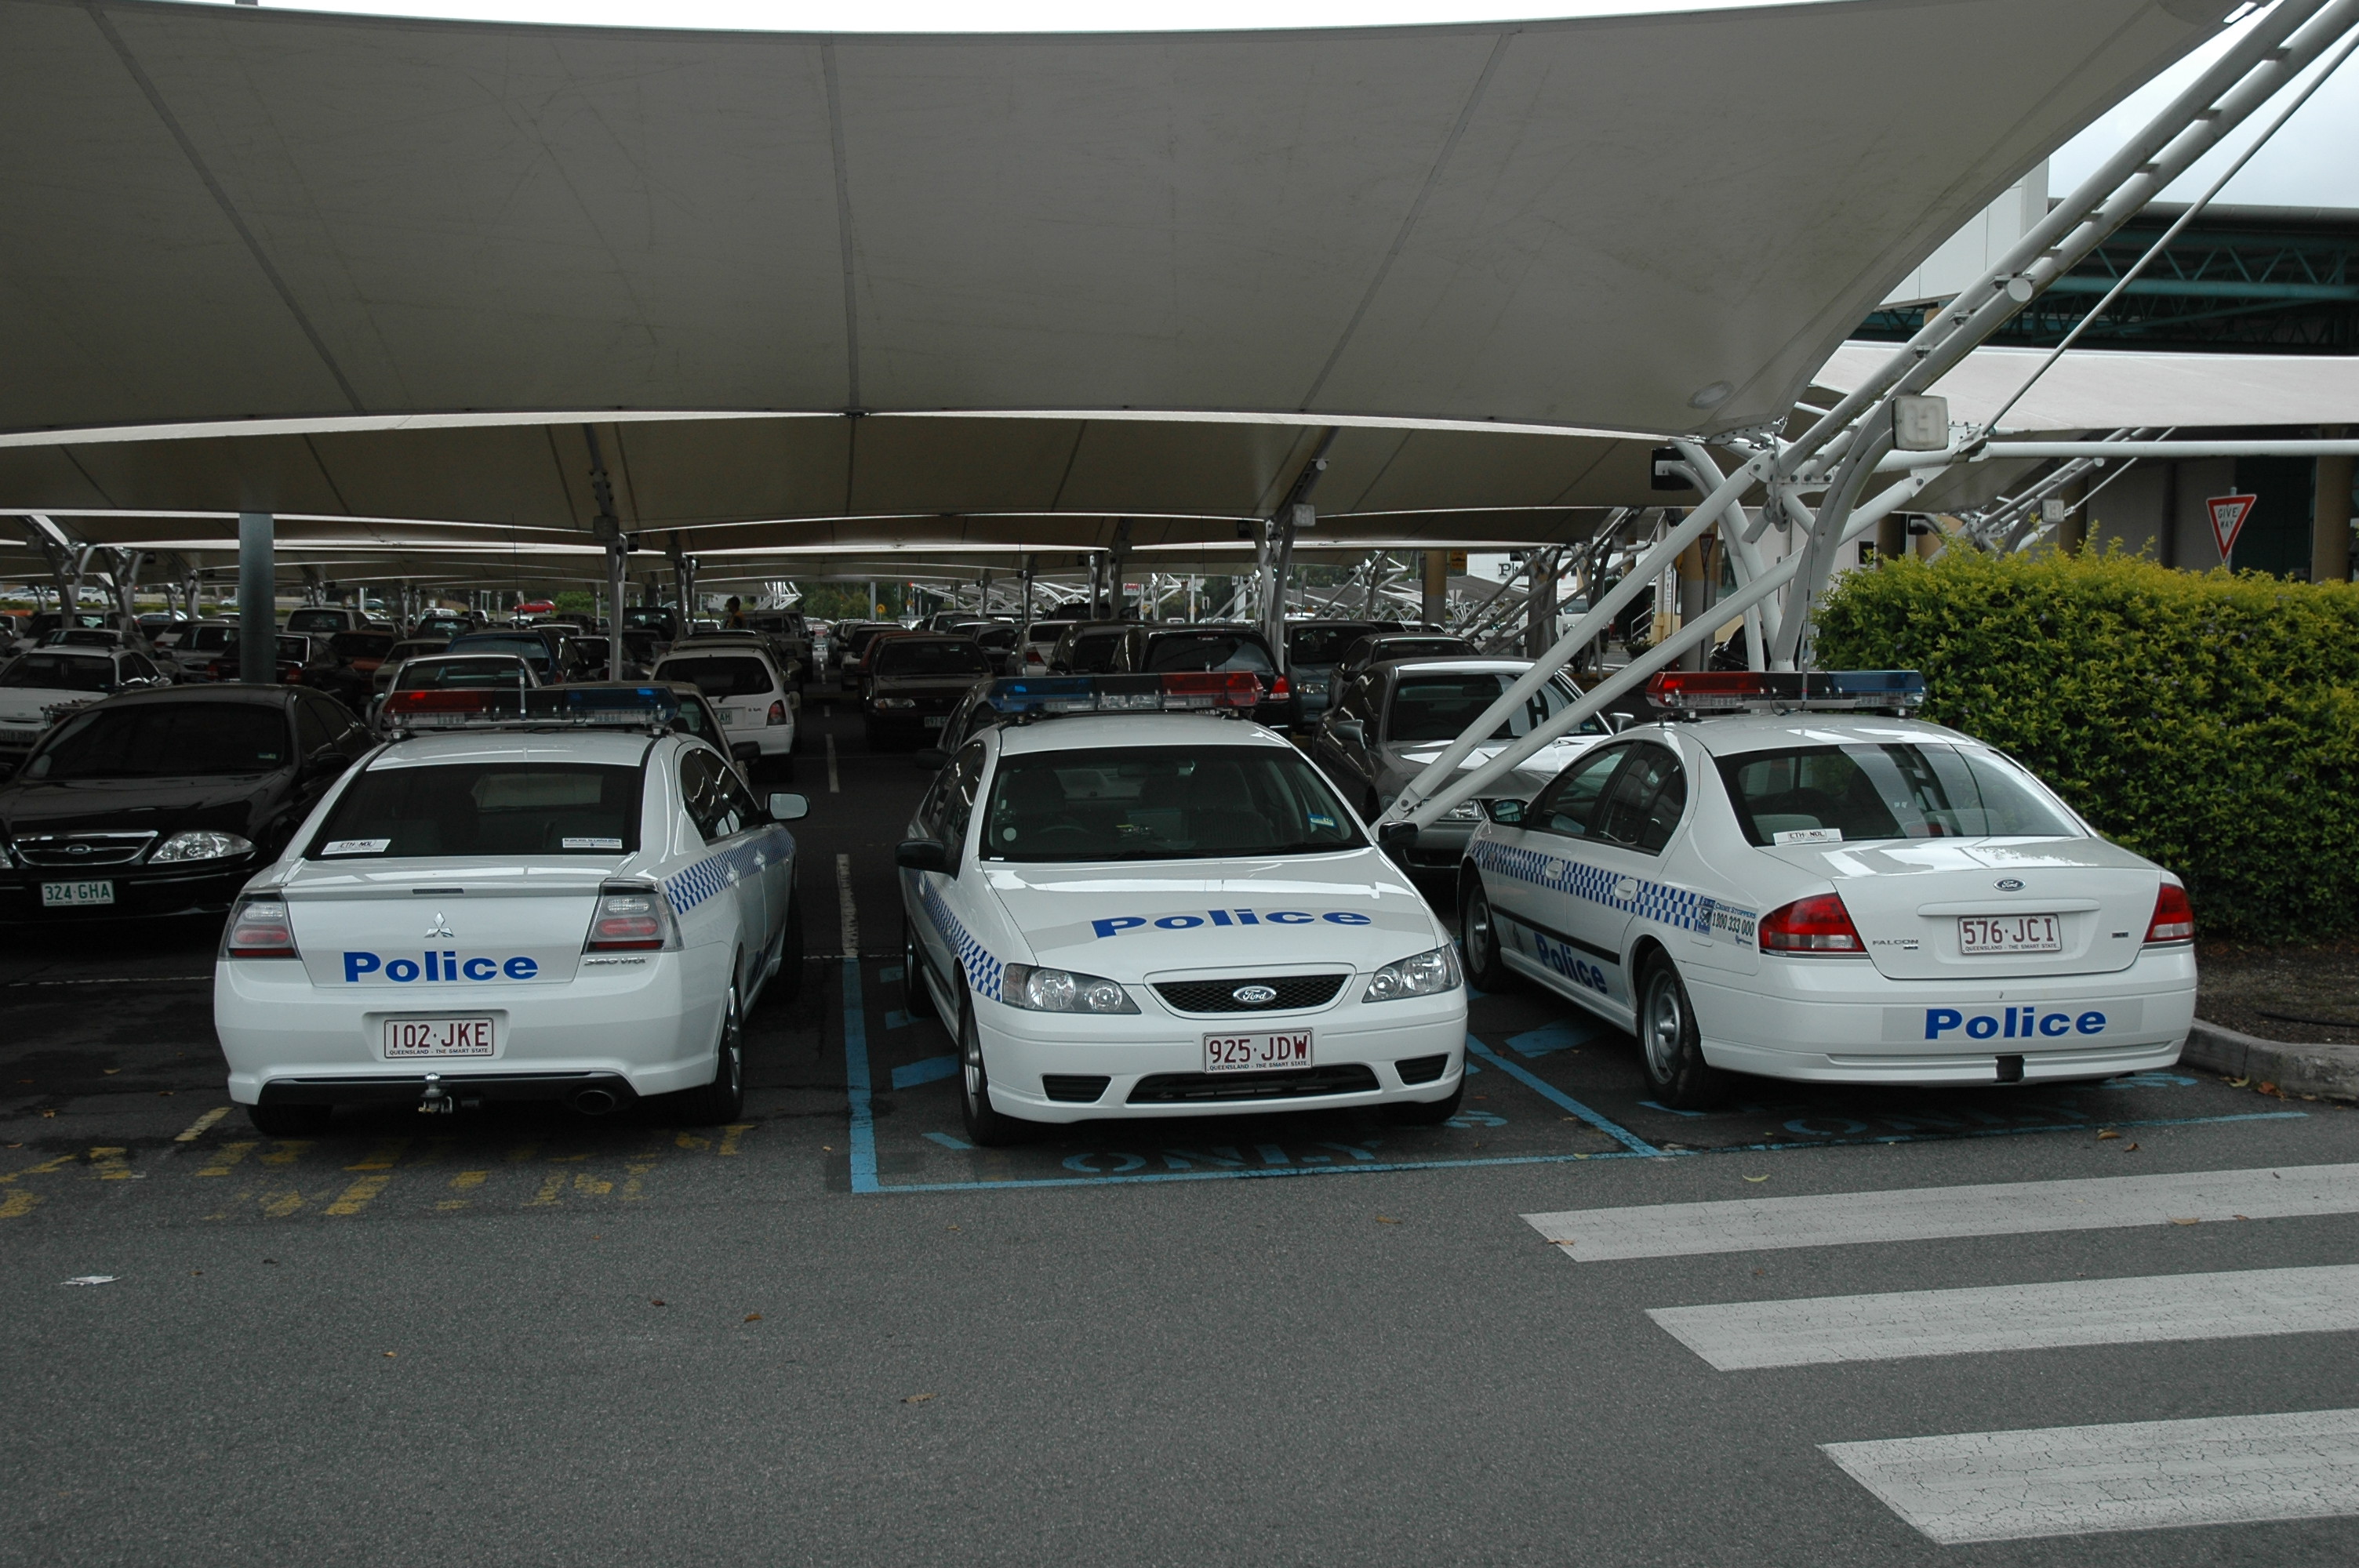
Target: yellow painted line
{"points": [[583, 1182], [288, 1150], [282, 1205], [227, 1156], [355, 1198], [631, 1188], [451, 1204], [383, 1156], [112, 1166], [690, 1141], [466, 1180], [202, 1125], [43, 1169], [567, 1159], [17, 1205], [732, 1133], [549, 1191]]}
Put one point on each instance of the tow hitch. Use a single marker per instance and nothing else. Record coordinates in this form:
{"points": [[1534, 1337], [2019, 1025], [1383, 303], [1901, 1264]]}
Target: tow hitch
{"points": [[435, 1102]]}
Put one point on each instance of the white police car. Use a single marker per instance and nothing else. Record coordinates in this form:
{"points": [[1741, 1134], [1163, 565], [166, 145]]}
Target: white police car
{"points": [[1793, 890], [546, 895], [1124, 908]]}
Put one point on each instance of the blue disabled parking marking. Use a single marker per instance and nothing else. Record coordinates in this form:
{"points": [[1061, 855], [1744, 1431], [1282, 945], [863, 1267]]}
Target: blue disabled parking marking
{"points": [[1550, 1038], [910, 1075], [1562, 1101]]}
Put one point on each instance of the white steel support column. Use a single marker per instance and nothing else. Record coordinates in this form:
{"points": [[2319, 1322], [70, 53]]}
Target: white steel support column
{"points": [[257, 594]]}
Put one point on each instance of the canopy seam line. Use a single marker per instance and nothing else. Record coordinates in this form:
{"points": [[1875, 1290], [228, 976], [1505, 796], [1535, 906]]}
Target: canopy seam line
{"points": [[1416, 210], [221, 199], [843, 226]]}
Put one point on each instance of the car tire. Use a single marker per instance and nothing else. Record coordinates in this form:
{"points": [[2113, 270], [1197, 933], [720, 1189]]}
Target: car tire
{"points": [[290, 1121], [986, 1127], [1426, 1113], [723, 1099], [1671, 1050], [917, 997], [1478, 938]]}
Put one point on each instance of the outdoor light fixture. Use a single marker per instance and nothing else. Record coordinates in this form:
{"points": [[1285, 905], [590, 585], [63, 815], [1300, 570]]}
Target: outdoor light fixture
{"points": [[1920, 424]]}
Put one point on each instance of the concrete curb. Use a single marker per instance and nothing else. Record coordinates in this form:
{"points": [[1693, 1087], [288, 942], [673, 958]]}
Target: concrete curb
{"points": [[2298, 1070]]}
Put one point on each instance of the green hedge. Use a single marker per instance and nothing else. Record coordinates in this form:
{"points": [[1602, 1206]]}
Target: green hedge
{"points": [[2210, 722]]}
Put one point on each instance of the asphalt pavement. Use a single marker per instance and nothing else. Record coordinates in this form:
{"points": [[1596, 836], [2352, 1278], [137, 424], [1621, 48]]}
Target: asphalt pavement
{"points": [[833, 1332]]}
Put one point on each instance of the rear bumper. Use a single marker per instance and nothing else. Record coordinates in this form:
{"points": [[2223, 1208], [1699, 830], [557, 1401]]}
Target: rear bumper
{"points": [[399, 1088]]}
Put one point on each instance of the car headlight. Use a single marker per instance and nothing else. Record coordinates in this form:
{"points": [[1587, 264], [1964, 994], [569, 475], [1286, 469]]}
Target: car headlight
{"points": [[1430, 973], [1061, 990], [897, 702], [1464, 811], [198, 844]]}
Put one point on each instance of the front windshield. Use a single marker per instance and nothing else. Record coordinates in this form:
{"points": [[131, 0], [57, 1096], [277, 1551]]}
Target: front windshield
{"points": [[468, 673], [164, 740], [719, 676], [50, 672], [1440, 706], [1862, 793], [1209, 651], [1163, 803], [911, 656], [484, 808]]}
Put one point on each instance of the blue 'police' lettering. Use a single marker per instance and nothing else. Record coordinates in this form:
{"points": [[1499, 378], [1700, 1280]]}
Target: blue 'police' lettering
{"points": [[1570, 965], [1115, 925], [437, 968], [1941, 1020]]}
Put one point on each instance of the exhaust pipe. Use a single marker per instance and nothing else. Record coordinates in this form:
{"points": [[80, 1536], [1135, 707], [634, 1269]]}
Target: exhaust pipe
{"points": [[594, 1102]]}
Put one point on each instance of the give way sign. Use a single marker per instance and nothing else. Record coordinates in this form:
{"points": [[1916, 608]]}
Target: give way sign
{"points": [[2228, 514]]}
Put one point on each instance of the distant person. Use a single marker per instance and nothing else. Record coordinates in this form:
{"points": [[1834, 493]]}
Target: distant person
{"points": [[734, 615]]}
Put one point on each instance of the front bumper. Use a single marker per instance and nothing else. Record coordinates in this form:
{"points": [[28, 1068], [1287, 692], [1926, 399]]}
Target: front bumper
{"points": [[140, 893], [1836, 1020], [1152, 1063], [289, 1040]]}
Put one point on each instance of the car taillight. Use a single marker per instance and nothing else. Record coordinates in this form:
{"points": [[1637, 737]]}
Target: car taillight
{"points": [[2174, 917], [1818, 926], [1278, 689], [630, 918], [1034, 658], [777, 712], [260, 929]]}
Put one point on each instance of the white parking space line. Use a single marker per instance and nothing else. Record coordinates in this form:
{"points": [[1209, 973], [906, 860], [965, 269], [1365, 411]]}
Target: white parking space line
{"points": [[845, 905], [2240, 1304], [1919, 1214], [2080, 1480], [835, 785]]}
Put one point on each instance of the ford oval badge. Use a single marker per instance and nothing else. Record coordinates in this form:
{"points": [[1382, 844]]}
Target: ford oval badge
{"points": [[2009, 884], [1255, 996]]}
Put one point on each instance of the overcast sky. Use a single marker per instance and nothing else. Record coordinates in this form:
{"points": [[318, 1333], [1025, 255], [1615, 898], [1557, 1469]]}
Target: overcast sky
{"points": [[2311, 163]]}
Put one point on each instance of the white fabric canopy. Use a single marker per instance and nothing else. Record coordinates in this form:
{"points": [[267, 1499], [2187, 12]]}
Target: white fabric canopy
{"points": [[2108, 389]]}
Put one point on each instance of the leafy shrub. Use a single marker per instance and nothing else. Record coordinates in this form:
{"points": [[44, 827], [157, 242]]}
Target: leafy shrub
{"points": [[2210, 722]]}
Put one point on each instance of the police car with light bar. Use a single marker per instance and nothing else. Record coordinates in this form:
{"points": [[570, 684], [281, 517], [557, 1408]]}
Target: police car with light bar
{"points": [[547, 894], [1127, 900], [1784, 880]]}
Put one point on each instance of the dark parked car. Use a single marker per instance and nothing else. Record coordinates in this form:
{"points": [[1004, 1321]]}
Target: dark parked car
{"points": [[296, 656], [1040, 643], [1387, 645], [1154, 650], [914, 682], [1088, 647], [1000, 639], [164, 802], [1312, 648], [554, 658]]}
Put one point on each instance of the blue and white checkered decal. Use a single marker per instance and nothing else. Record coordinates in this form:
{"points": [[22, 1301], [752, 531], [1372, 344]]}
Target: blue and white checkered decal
{"points": [[1651, 901], [714, 874], [983, 971]]}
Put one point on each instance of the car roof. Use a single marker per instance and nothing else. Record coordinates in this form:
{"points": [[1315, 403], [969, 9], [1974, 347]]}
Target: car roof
{"points": [[618, 747], [1096, 730], [220, 693], [77, 651], [1732, 734], [1455, 666]]}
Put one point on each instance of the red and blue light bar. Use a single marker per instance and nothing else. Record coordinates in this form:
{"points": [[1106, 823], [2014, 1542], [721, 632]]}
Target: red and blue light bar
{"points": [[1180, 691], [492, 707], [1731, 691]]}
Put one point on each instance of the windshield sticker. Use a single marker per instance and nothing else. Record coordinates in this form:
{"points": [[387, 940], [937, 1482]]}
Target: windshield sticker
{"points": [[1318, 821], [1808, 836], [358, 847], [590, 843]]}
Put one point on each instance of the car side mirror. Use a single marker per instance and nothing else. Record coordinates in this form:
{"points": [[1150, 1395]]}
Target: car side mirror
{"points": [[1391, 836], [929, 757], [787, 806], [1352, 729], [325, 764], [746, 750], [1506, 812], [921, 854]]}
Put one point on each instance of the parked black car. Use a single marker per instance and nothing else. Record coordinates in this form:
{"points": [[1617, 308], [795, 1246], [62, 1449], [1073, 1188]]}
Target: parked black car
{"points": [[164, 802], [1088, 647], [1154, 650], [916, 680]]}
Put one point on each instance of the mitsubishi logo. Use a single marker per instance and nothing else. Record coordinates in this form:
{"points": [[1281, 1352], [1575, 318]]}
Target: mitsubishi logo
{"points": [[441, 927]]}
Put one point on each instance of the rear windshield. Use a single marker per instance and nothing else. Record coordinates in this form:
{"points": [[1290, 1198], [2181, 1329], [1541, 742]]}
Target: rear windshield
{"points": [[1862, 793], [1162, 804], [1441, 707], [361, 645], [438, 672], [1321, 645], [1419, 648], [484, 808], [165, 741], [911, 656], [861, 636], [210, 639], [413, 649], [717, 677], [50, 672], [317, 621], [1092, 651], [1047, 630], [531, 650], [1209, 651]]}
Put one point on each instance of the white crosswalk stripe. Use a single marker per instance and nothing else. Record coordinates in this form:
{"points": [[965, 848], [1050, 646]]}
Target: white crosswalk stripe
{"points": [[1740, 1336], [2082, 1480], [1919, 1214], [2054, 1481]]}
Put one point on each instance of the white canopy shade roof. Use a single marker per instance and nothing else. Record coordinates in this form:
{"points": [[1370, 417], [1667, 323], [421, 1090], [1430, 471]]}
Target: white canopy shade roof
{"points": [[2108, 389]]}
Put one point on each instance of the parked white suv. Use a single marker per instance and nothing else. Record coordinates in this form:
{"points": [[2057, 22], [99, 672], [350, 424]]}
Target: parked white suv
{"points": [[743, 681]]}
